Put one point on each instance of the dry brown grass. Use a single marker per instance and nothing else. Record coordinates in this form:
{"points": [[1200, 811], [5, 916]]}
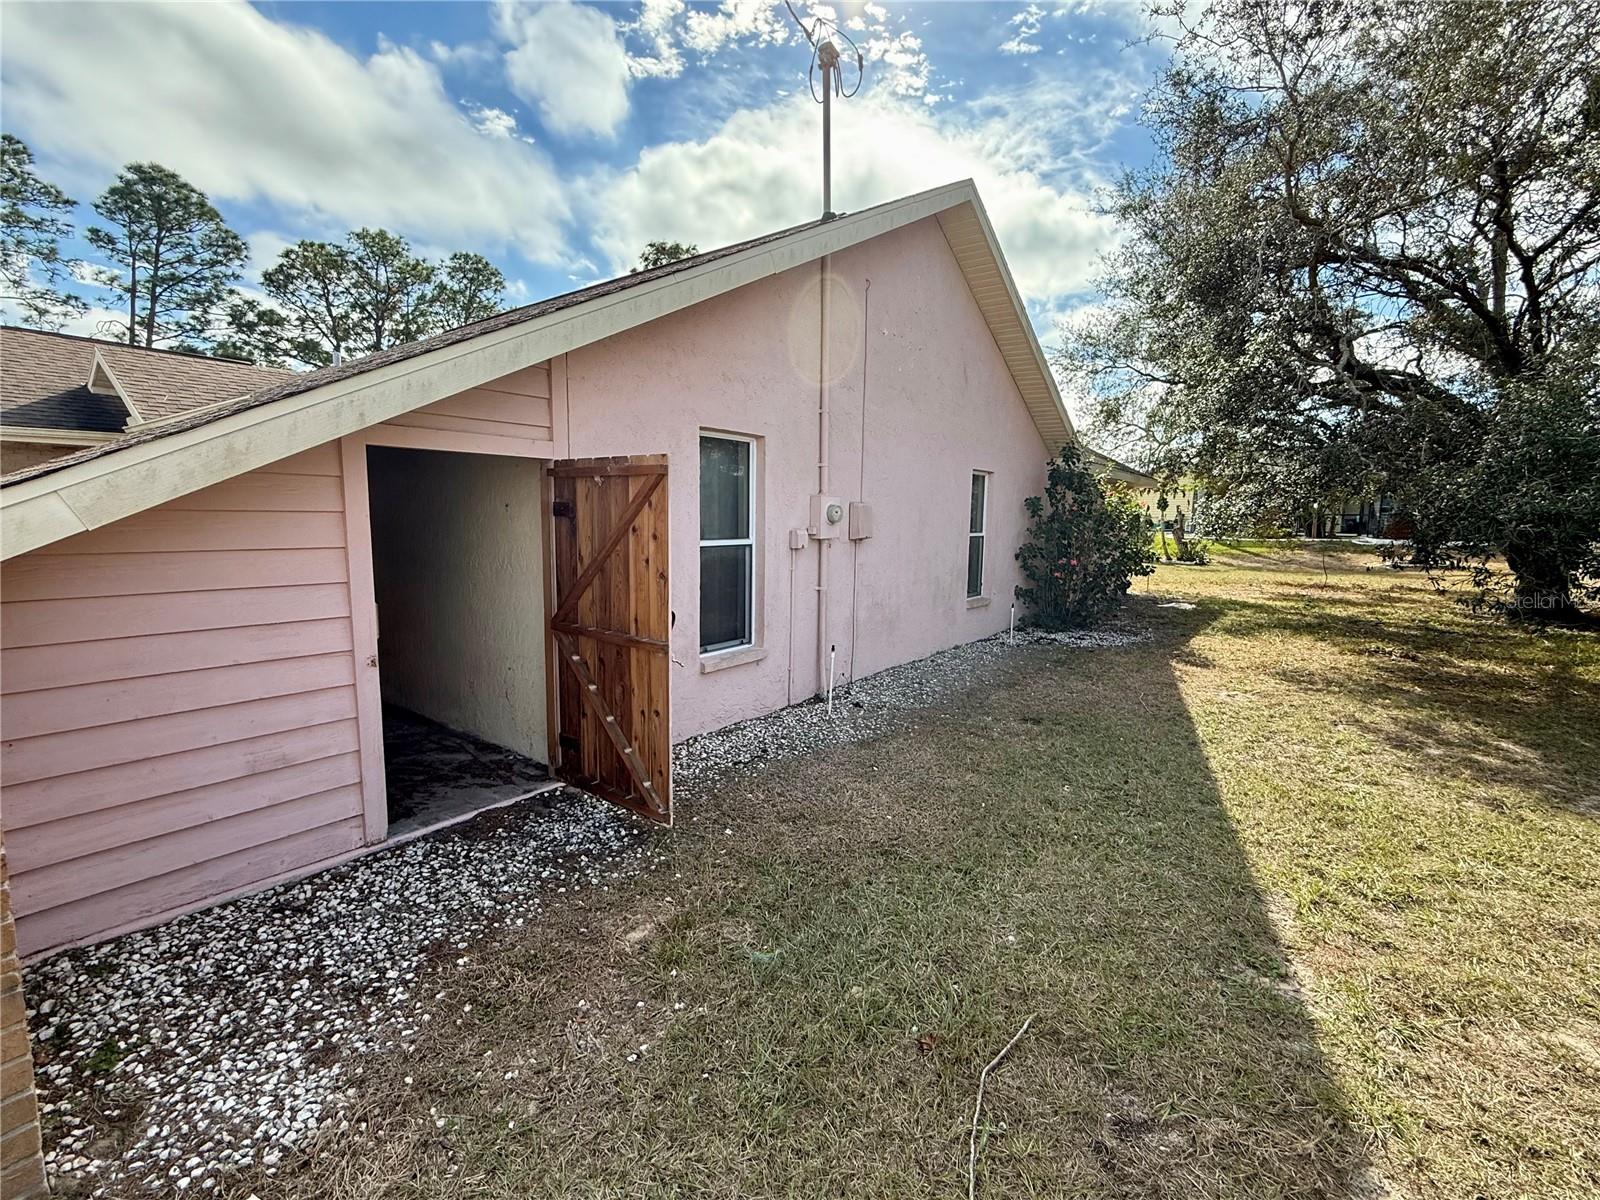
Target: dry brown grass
{"points": [[1303, 891]]}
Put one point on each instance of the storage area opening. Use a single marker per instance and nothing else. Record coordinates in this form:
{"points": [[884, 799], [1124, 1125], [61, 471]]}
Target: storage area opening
{"points": [[459, 586]]}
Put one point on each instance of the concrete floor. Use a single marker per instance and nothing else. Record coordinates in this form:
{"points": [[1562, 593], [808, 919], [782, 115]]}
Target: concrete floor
{"points": [[436, 774]]}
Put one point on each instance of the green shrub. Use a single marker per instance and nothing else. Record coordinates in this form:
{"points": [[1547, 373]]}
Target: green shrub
{"points": [[1084, 547]]}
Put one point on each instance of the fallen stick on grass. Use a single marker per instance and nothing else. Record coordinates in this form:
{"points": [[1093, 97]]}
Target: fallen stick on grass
{"points": [[977, 1109]]}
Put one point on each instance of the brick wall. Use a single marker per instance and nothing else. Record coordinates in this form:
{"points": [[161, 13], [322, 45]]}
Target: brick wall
{"points": [[21, 1166]]}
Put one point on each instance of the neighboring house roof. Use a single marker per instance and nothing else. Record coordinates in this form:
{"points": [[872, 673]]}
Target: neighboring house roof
{"points": [[148, 467], [44, 384], [57, 381], [164, 383], [1109, 468]]}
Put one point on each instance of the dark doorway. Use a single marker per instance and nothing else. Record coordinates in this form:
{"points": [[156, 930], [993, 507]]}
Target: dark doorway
{"points": [[457, 569]]}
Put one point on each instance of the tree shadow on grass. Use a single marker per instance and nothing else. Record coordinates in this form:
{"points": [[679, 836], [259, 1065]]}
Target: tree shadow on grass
{"points": [[839, 941], [1050, 842]]}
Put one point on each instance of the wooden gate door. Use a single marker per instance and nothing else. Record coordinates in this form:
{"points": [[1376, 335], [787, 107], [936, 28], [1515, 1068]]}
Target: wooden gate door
{"points": [[610, 624]]}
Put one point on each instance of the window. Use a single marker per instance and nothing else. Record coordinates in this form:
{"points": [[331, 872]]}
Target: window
{"points": [[975, 533], [727, 543]]}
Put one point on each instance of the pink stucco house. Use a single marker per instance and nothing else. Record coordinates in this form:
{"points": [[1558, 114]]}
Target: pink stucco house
{"points": [[577, 531]]}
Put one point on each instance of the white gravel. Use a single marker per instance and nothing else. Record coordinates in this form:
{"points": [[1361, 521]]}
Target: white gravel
{"points": [[869, 706], [238, 1032]]}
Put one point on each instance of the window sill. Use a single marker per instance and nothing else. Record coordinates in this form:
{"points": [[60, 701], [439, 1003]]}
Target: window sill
{"points": [[979, 601], [721, 660]]}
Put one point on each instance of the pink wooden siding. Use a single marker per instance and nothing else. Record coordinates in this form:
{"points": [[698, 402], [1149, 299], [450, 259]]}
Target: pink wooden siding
{"points": [[513, 415], [178, 705]]}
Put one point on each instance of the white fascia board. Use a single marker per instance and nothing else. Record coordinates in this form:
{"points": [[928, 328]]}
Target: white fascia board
{"points": [[46, 435], [101, 367], [1040, 362], [88, 495]]}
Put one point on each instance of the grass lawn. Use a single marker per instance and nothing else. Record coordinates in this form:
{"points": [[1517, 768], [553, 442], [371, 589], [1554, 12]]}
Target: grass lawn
{"points": [[1304, 892]]}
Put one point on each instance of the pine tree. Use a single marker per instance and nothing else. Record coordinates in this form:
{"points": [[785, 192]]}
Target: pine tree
{"points": [[33, 222], [172, 256]]}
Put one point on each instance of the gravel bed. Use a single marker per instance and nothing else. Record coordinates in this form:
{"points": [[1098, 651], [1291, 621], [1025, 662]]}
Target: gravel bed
{"points": [[232, 1035], [867, 707]]}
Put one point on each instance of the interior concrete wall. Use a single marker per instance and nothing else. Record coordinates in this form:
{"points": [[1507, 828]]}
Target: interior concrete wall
{"points": [[458, 578]]}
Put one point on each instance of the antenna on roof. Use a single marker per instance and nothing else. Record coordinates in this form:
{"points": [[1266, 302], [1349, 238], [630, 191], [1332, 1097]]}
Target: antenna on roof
{"points": [[825, 57]]}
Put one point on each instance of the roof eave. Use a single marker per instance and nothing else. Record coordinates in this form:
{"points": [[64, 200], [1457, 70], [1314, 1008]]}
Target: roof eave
{"points": [[87, 495], [51, 436]]}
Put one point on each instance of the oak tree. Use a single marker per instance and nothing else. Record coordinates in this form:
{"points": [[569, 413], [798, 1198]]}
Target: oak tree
{"points": [[1368, 251]]}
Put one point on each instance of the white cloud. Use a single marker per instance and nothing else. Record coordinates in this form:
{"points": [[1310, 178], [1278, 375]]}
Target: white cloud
{"points": [[567, 59], [656, 25], [759, 172], [465, 56], [96, 322], [1026, 23], [905, 68], [249, 109], [265, 247], [759, 21], [496, 123]]}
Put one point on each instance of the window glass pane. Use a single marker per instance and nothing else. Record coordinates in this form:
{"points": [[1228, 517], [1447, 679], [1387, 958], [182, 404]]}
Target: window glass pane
{"points": [[724, 596], [724, 489], [975, 565], [978, 484]]}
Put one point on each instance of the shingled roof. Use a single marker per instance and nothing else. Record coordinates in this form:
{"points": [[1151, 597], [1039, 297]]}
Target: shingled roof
{"points": [[44, 384], [281, 385], [49, 381]]}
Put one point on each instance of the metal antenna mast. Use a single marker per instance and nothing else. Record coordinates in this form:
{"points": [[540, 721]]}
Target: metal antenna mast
{"points": [[825, 57]]}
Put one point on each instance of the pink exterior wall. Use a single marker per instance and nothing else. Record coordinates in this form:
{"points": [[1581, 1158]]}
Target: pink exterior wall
{"points": [[178, 709], [939, 405], [186, 700], [186, 696]]}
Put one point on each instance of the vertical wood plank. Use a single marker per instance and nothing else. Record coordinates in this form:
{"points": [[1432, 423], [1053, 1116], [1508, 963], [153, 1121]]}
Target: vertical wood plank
{"points": [[614, 695], [552, 697], [364, 630]]}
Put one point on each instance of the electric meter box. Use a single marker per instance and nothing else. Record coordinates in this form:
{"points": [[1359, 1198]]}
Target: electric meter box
{"points": [[827, 517]]}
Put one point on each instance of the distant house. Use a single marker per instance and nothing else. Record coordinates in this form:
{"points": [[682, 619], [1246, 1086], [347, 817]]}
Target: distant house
{"points": [[566, 536], [1110, 470], [1185, 499], [1354, 518], [60, 393]]}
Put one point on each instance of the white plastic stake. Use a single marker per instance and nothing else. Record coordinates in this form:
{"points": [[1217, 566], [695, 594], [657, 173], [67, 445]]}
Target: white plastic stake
{"points": [[1011, 638], [832, 652]]}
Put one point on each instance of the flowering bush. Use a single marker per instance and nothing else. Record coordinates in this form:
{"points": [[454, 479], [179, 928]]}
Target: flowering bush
{"points": [[1084, 547]]}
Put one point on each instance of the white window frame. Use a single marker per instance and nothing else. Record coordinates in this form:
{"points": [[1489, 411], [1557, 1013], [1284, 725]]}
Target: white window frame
{"points": [[750, 525], [982, 534]]}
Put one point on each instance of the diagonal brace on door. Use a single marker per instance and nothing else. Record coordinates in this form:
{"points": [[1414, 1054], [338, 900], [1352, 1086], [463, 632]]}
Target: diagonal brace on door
{"points": [[590, 691], [569, 602]]}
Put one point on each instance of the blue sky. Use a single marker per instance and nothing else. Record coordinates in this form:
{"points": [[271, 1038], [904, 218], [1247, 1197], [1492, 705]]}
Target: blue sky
{"points": [[558, 138]]}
